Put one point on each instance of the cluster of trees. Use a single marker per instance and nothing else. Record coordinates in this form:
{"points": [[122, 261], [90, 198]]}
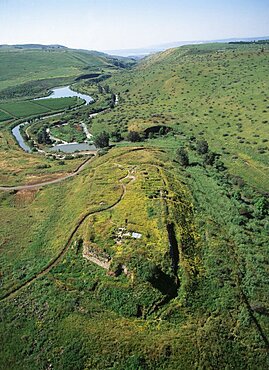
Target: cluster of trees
{"points": [[43, 136], [202, 148], [102, 140], [106, 90]]}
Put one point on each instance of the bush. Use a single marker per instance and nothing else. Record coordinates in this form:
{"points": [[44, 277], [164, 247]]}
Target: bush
{"points": [[116, 136], [182, 156], [101, 140], [202, 147], [261, 207], [209, 158], [134, 136]]}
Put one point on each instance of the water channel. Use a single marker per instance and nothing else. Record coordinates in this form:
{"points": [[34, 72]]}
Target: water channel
{"points": [[58, 92]]}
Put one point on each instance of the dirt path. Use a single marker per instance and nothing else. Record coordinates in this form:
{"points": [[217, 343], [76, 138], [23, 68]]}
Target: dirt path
{"points": [[60, 256], [40, 184]]}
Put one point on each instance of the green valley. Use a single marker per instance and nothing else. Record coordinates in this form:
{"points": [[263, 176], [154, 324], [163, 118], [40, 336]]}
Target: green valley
{"points": [[152, 251]]}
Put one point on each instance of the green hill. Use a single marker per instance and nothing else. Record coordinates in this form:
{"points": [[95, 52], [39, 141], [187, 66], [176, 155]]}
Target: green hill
{"points": [[155, 255], [217, 92], [29, 72]]}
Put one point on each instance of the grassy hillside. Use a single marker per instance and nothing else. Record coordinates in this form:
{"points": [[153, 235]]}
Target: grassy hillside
{"points": [[155, 256], [28, 65], [213, 92], [208, 316], [29, 72]]}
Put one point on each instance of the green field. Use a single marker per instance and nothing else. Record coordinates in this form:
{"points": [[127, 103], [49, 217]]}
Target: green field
{"points": [[155, 256], [4, 116], [22, 109], [59, 103]]}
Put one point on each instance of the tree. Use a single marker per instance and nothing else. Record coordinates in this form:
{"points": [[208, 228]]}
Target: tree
{"points": [[101, 140], [106, 89], [182, 156], [113, 98], [209, 158], [43, 136], [261, 207], [134, 136], [202, 147], [116, 136]]}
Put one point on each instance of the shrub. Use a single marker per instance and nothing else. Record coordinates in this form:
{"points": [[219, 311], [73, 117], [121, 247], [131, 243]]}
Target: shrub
{"points": [[182, 157], [134, 136], [101, 140], [209, 158], [202, 147]]}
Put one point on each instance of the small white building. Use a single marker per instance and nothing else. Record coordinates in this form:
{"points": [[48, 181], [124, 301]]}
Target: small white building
{"points": [[136, 235]]}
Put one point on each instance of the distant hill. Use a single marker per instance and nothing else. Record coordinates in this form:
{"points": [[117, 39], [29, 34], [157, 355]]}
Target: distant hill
{"points": [[156, 48], [26, 70], [32, 46]]}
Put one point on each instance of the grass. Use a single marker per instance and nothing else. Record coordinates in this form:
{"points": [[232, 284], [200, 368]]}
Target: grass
{"points": [[76, 299], [70, 133], [214, 314], [202, 91], [23, 109], [20, 66], [43, 222], [4, 116]]}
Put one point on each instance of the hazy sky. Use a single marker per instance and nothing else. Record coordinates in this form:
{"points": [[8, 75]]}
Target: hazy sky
{"points": [[124, 24]]}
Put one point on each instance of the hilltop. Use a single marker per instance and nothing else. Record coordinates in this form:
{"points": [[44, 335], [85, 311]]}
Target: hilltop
{"points": [[153, 254]]}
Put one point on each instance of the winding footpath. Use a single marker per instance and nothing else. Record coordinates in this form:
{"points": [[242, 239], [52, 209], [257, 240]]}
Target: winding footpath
{"points": [[60, 256], [44, 183]]}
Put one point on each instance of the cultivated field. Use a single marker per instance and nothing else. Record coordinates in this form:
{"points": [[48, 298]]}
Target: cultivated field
{"points": [[23, 109]]}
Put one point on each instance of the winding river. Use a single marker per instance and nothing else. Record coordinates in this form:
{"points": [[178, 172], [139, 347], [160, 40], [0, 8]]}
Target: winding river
{"points": [[58, 92], [66, 92]]}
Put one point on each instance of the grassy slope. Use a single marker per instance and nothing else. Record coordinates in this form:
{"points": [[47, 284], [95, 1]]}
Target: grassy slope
{"points": [[88, 319], [216, 92], [17, 67], [219, 317], [49, 226]]}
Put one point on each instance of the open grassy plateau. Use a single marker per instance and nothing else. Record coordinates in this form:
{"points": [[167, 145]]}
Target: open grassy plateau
{"points": [[155, 255]]}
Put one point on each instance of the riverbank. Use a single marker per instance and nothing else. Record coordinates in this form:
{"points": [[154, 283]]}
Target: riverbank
{"points": [[65, 147]]}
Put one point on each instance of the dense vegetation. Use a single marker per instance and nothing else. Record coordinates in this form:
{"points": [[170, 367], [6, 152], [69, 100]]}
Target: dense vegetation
{"points": [[156, 255]]}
